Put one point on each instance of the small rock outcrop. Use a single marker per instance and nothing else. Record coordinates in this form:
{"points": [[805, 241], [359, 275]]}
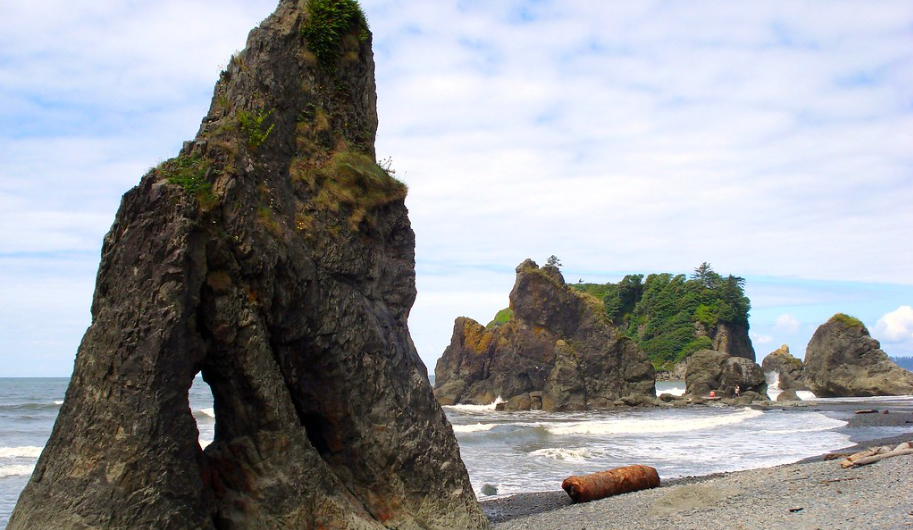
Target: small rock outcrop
{"points": [[843, 360], [557, 351], [789, 370], [277, 258], [711, 370]]}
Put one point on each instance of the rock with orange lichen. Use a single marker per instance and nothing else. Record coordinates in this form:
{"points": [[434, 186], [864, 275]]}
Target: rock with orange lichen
{"points": [[554, 351]]}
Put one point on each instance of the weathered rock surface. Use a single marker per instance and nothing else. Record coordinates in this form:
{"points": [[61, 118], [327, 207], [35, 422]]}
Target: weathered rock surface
{"points": [[718, 371], [843, 360], [728, 337], [788, 369], [557, 352], [274, 256]]}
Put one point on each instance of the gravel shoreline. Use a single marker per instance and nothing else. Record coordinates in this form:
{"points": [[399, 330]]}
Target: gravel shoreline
{"points": [[811, 494]]}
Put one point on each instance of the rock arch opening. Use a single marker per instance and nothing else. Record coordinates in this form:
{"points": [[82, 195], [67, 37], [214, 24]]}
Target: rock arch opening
{"points": [[202, 406]]}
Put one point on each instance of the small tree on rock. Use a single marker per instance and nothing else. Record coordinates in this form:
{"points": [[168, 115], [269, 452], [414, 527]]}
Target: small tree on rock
{"points": [[553, 261]]}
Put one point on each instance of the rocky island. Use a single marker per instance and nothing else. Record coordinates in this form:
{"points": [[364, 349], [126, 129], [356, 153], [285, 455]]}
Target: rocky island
{"points": [[843, 360], [276, 257], [554, 349]]}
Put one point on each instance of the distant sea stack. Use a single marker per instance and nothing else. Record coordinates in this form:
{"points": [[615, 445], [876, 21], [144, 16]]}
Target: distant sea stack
{"points": [[554, 349], [843, 360], [277, 258], [789, 370]]}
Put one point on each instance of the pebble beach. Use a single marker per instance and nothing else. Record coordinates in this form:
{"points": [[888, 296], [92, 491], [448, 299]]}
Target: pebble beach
{"points": [[812, 494]]}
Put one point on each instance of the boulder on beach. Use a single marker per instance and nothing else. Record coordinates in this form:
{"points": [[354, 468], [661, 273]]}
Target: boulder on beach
{"points": [[554, 349], [843, 360], [710, 370], [789, 370], [275, 256]]}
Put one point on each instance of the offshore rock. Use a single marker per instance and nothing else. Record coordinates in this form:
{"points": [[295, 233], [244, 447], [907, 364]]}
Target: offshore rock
{"points": [[556, 352], [711, 370], [843, 360], [275, 257], [788, 369]]}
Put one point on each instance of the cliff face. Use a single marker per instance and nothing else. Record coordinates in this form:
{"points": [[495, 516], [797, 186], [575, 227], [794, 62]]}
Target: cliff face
{"points": [[275, 257], [843, 360], [730, 338], [557, 352]]}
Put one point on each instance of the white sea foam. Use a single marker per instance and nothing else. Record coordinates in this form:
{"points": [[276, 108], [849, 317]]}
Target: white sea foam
{"points": [[475, 408], [11, 471], [25, 451], [561, 453], [806, 395], [58, 402], [209, 412], [675, 391], [204, 442], [478, 427], [642, 426]]}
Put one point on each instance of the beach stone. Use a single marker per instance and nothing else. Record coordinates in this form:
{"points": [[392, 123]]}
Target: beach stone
{"points": [[843, 360], [556, 352], [788, 395], [690, 497], [276, 258]]}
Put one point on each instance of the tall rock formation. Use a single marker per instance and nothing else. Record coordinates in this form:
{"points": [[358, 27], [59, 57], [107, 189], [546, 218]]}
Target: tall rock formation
{"points": [[557, 352], [843, 360], [728, 337], [275, 257], [789, 370]]}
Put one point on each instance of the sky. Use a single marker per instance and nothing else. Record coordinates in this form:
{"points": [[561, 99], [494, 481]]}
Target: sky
{"points": [[770, 139]]}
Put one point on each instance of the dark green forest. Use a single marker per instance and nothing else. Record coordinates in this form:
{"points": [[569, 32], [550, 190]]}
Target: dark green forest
{"points": [[660, 312]]}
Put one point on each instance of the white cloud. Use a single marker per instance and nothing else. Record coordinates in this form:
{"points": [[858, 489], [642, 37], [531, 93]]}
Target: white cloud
{"points": [[770, 139], [758, 338], [896, 326], [787, 323]]}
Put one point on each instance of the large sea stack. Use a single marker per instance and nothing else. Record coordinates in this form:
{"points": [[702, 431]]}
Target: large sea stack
{"points": [[556, 351], [843, 360], [276, 257]]}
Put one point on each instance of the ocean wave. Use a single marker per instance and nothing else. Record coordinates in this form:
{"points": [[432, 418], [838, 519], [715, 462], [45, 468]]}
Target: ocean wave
{"points": [[17, 470], [475, 408], [32, 406], [58, 402], [208, 412], [25, 451], [641, 426], [478, 427], [675, 391], [561, 453]]}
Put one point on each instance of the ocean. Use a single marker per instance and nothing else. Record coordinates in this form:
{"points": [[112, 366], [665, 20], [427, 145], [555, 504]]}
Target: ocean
{"points": [[513, 452]]}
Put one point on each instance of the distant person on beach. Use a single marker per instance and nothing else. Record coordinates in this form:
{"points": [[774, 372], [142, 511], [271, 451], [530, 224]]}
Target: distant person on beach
{"points": [[738, 391]]}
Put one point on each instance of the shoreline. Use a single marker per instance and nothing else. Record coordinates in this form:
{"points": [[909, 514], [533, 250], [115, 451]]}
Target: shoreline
{"points": [[720, 500]]}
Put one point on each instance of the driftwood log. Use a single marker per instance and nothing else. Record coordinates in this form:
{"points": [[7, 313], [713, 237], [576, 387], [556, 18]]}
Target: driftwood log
{"points": [[874, 454], [585, 488]]}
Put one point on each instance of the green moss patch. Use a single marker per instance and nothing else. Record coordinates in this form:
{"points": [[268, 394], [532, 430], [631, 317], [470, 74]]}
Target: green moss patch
{"points": [[502, 317], [847, 320], [328, 21], [189, 172]]}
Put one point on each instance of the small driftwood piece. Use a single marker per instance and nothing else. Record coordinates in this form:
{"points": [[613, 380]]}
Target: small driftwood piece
{"points": [[585, 488], [867, 411], [870, 456]]}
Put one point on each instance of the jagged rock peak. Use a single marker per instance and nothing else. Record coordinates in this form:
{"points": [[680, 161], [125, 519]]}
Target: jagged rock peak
{"points": [[843, 360], [554, 349], [789, 370], [276, 257]]}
